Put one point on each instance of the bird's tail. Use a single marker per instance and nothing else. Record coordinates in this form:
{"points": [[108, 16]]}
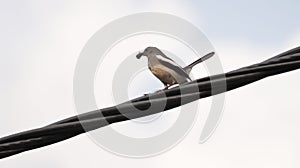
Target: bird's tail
{"points": [[205, 57]]}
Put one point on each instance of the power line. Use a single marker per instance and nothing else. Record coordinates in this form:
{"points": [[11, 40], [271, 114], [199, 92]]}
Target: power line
{"points": [[139, 107]]}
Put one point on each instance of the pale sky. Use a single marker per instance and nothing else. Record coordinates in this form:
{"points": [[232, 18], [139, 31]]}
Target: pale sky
{"points": [[41, 42]]}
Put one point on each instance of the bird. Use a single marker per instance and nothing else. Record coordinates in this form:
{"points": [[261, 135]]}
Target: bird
{"points": [[166, 69]]}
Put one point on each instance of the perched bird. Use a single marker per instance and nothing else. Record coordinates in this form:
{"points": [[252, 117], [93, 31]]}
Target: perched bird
{"points": [[166, 69]]}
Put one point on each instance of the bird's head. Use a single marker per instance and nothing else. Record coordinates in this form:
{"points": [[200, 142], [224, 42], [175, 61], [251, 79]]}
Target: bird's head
{"points": [[148, 51]]}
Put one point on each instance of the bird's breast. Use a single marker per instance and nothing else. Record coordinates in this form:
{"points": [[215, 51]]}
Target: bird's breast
{"points": [[163, 74]]}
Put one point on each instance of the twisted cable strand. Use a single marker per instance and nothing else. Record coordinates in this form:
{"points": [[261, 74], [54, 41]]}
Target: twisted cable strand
{"points": [[174, 97]]}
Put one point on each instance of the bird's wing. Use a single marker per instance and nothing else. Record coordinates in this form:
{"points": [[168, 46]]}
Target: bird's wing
{"points": [[172, 65]]}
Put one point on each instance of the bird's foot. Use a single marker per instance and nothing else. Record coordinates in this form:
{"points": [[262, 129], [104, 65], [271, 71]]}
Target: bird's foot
{"points": [[166, 87]]}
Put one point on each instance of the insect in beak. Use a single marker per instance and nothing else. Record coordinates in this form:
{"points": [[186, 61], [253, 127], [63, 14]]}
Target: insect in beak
{"points": [[139, 55]]}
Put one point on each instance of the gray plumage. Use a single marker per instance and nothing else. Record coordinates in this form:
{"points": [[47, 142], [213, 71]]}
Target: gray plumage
{"points": [[166, 69]]}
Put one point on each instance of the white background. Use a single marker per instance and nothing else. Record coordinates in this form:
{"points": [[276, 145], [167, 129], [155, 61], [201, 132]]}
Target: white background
{"points": [[40, 42]]}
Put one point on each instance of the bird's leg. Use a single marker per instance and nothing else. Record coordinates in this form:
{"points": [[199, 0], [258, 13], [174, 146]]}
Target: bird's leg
{"points": [[166, 87]]}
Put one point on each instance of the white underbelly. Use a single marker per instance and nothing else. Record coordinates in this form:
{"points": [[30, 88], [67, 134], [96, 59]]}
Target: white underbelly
{"points": [[167, 75]]}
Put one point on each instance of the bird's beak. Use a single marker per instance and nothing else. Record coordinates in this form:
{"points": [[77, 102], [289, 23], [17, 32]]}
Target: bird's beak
{"points": [[138, 56]]}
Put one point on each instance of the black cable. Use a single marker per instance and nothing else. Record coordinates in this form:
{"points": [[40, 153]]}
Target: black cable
{"points": [[139, 107]]}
